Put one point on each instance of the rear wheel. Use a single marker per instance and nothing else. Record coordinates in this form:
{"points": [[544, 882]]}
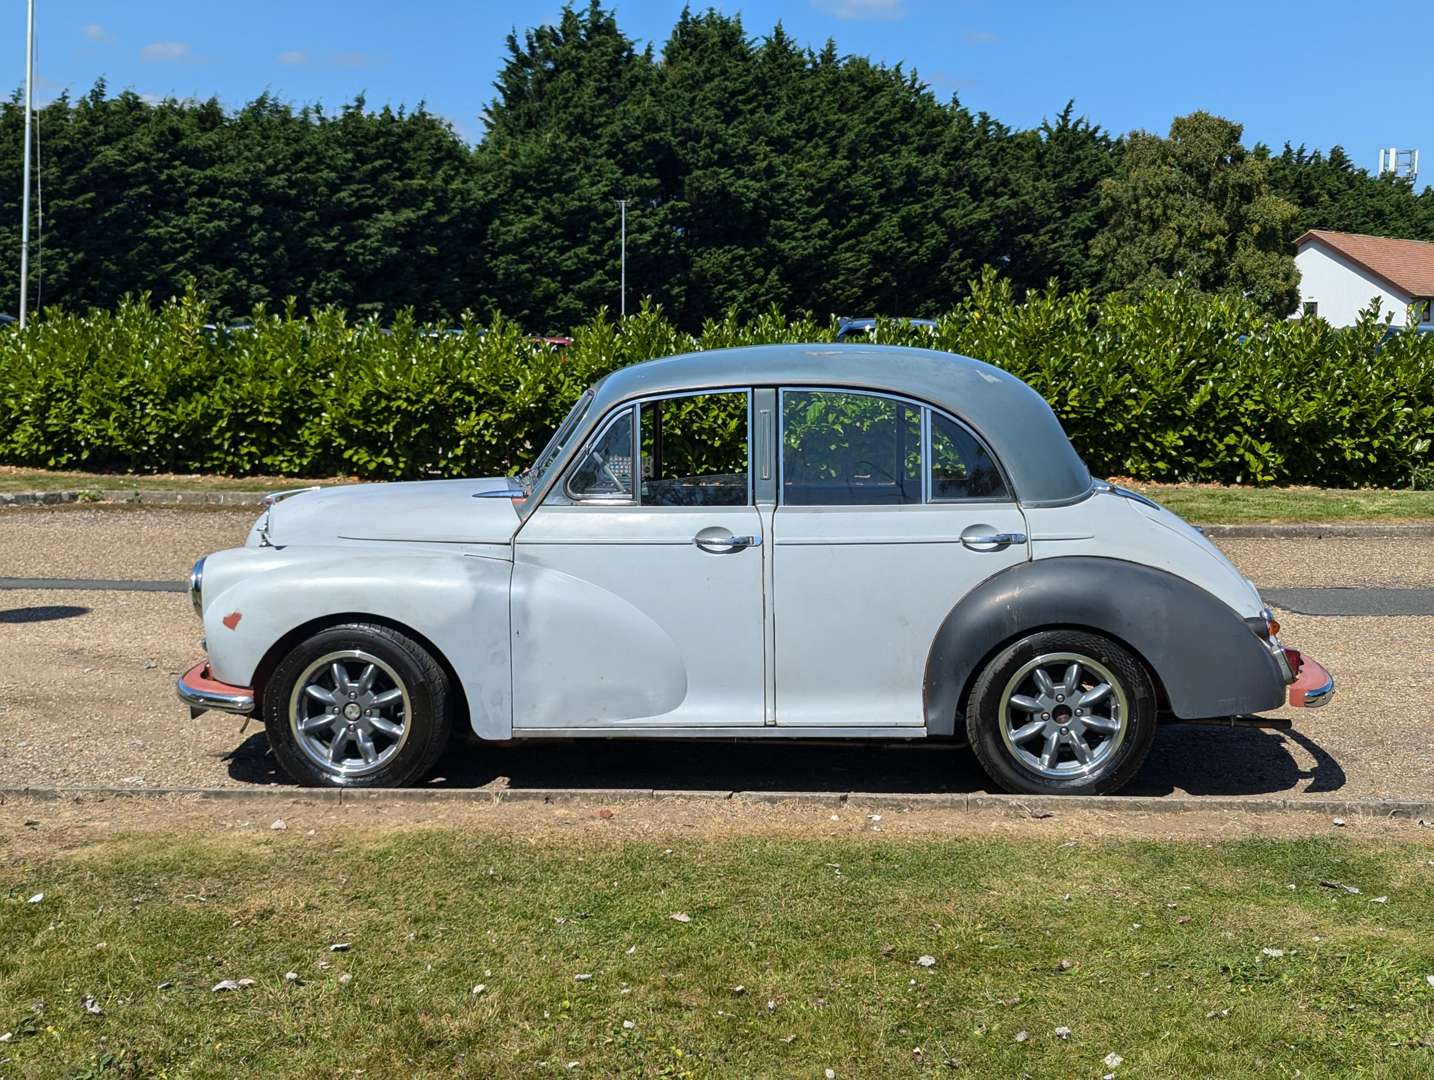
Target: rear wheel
{"points": [[357, 705], [1062, 712]]}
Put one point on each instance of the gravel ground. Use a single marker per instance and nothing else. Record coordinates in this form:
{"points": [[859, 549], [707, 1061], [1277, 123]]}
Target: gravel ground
{"points": [[1285, 564], [101, 542], [86, 689]]}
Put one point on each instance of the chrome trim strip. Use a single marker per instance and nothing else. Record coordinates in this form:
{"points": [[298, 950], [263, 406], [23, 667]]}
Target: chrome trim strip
{"points": [[279, 496], [1321, 695]]}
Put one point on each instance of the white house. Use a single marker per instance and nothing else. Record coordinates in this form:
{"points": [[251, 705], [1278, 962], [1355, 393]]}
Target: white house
{"points": [[1340, 273]]}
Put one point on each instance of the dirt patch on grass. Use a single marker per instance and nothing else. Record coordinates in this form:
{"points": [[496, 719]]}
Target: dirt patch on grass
{"points": [[41, 827]]}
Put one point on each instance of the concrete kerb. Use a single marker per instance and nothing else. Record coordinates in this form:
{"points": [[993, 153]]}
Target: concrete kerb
{"points": [[134, 497], [1034, 806]]}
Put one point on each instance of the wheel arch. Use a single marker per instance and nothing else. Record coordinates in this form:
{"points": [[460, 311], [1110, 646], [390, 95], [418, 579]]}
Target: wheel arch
{"points": [[1179, 632], [1162, 697], [288, 641]]}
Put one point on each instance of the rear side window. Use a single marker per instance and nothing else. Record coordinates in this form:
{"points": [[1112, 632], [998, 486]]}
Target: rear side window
{"points": [[961, 468], [846, 449]]}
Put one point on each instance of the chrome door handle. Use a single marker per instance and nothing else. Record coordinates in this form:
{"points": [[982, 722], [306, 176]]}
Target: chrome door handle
{"points": [[976, 537], [717, 541]]}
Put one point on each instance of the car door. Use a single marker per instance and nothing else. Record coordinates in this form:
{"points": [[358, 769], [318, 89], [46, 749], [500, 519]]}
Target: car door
{"points": [[888, 513], [638, 597]]}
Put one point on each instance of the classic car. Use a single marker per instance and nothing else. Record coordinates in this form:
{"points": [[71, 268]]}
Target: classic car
{"points": [[788, 541]]}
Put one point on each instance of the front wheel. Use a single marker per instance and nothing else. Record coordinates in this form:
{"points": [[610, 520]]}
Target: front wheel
{"points": [[358, 705], [1062, 712]]}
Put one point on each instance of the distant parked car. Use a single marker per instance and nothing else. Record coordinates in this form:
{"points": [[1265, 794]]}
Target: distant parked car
{"points": [[6, 320], [217, 330], [856, 329], [785, 541], [552, 342]]}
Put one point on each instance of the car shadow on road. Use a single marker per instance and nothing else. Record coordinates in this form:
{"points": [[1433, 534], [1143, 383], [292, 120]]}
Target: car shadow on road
{"points": [[1199, 760], [42, 613]]}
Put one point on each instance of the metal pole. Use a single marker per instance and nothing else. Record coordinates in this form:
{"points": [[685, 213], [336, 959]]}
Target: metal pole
{"points": [[622, 299], [25, 199]]}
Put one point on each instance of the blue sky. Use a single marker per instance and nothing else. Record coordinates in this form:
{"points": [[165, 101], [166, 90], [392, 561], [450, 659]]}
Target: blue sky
{"points": [[1316, 72]]}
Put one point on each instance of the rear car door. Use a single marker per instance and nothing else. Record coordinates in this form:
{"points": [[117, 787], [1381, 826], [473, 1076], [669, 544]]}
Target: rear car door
{"points": [[888, 513]]}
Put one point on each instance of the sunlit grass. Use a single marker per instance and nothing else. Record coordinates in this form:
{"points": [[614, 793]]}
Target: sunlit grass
{"points": [[823, 937]]}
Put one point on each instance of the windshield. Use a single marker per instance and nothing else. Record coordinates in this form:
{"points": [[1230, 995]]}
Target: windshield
{"points": [[537, 475]]}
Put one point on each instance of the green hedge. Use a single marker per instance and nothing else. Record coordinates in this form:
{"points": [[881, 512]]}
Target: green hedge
{"points": [[1173, 386]]}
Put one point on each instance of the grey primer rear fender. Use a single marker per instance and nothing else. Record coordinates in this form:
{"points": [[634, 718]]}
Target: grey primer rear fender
{"points": [[1200, 649]]}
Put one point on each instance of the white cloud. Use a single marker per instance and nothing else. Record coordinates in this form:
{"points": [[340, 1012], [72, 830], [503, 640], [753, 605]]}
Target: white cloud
{"points": [[166, 52], [353, 59], [863, 10], [96, 32], [979, 37], [299, 58]]}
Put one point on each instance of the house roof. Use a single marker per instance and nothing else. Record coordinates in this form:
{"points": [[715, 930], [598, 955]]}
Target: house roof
{"points": [[1407, 265]]}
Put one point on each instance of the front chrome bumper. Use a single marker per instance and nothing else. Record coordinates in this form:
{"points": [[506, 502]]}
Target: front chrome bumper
{"points": [[200, 691]]}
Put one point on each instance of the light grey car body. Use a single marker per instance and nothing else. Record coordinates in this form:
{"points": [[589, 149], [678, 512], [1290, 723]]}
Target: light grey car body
{"points": [[560, 617]]}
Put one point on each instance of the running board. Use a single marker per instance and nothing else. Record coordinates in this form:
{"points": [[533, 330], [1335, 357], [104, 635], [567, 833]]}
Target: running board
{"points": [[743, 733]]}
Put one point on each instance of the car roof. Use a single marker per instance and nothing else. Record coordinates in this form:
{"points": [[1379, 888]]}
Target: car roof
{"points": [[1020, 427]]}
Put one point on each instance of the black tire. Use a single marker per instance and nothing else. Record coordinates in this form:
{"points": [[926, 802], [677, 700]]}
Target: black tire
{"points": [[402, 664], [1016, 766]]}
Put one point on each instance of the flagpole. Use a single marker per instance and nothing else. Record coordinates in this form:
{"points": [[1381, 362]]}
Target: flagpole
{"points": [[25, 199]]}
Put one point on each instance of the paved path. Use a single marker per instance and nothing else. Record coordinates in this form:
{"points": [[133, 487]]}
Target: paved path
{"points": [[1345, 600]]}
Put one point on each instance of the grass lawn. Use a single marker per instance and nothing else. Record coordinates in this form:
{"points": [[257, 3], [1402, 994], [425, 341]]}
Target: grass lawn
{"points": [[1156, 952], [1199, 503], [15, 478], [1211, 504]]}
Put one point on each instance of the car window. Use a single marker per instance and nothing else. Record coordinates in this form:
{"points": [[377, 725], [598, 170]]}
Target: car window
{"points": [[847, 449], [605, 469], [694, 450], [961, 468]]}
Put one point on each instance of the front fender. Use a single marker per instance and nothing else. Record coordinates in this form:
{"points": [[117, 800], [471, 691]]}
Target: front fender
{"points": [[1198, 647], [253, 597]]}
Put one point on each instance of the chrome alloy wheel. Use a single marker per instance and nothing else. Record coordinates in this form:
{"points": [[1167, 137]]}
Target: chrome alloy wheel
{"points": [[1063, 715], [349, 713]]}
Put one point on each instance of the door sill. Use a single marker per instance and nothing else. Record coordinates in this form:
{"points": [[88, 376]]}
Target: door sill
{"points": [[754, 731]]}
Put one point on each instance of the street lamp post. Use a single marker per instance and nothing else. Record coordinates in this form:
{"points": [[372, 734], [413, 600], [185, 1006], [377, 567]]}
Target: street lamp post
{"points": [[25, 198], [622, 261]]}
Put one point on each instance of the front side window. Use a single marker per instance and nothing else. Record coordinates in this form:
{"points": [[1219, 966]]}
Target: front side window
{"points": [[849, 449], [604, 471], [695, 450]]}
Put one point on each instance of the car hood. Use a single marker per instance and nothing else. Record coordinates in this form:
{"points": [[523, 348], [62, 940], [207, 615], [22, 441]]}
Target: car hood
{"points": [[425, 511]]}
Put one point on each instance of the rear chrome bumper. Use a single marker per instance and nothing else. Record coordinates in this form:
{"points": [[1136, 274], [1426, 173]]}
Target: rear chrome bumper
{"points": [[200, 691], [1313, 685]]}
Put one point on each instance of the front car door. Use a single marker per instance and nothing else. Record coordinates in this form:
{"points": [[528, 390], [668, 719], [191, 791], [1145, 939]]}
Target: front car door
{"points": [[638, 585], [888, 513]]}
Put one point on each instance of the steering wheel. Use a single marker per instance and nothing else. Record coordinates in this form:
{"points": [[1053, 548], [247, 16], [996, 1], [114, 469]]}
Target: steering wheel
{"points": [[872, 467]]}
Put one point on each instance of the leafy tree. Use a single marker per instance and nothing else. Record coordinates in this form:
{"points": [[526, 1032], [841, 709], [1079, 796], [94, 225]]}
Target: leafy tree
{"points": [[1334, 193], [1199, 207]]}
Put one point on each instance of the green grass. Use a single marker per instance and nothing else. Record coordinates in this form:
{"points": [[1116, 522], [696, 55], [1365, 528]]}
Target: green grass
{"points": [[1210, 504], [13, 478], [1199, 503], [1158, 936]]}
